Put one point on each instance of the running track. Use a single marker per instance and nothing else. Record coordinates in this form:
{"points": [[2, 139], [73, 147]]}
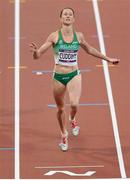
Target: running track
{"points": [[94, 150]]}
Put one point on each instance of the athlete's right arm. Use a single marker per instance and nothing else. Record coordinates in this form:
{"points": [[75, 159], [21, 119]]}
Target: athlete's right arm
{"points": [[37, 52]]}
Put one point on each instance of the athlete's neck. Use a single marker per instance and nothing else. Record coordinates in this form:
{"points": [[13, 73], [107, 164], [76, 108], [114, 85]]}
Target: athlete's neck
{"points": [[67, 30]]}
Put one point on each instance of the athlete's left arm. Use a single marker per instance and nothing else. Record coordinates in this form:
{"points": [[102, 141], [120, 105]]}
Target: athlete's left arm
{"points": [[94, 52]]}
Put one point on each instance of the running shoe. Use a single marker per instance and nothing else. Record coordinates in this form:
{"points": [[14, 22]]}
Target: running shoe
{"points": [[64, 142], [74, 127]]}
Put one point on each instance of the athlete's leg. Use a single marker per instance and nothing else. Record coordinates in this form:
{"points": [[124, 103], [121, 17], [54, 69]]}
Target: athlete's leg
{"points": [[59, 94], [74, 90]]}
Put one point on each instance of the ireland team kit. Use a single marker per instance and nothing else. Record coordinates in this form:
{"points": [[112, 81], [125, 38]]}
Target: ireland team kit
{"points": [[66, 54]]}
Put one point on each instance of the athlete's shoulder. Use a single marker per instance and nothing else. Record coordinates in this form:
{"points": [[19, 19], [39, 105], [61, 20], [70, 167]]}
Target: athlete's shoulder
{"points": [[54, 33], [80, 36], [53, 36]]}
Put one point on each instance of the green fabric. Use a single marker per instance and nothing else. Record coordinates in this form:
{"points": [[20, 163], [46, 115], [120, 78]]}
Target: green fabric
{"points": [[65, 52], [61, 44], [65, 78]]}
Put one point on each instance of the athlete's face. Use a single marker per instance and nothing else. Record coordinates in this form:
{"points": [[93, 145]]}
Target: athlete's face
{"points": [[67, 17]]}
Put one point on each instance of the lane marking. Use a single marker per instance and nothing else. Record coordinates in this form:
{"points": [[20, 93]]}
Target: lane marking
{"points": [[60, 167], [40, 72], [17, 89], [100, 65], [6, 149], [109, 90], [88, 173], [13, 37], [96, 36], [13, 67], [81, 104]]}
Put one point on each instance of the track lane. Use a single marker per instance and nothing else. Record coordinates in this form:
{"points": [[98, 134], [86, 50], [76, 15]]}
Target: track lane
{"points": [[6, 91], [119, 31], [96, 140]]}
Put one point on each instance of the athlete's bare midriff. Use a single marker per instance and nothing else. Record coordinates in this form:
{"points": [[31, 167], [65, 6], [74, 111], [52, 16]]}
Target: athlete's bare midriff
{"points": [[64, 69]]}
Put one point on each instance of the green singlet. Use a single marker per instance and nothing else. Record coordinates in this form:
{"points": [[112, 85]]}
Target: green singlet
{"points": [[66, 53]]}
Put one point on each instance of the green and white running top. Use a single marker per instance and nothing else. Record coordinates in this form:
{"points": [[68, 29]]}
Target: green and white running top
{"points": [[66, 53]]}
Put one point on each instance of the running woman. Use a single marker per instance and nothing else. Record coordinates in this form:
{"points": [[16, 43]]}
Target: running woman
{"points": [[66, 42]]}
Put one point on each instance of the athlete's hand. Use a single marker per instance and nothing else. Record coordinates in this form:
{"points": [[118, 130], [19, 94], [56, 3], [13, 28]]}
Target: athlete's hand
{"points": [[33, 47], [34, 50], [114, 61]]}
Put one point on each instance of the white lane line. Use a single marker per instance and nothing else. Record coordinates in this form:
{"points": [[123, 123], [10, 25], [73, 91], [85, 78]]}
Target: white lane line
{"points": [[60, 167], [17, 88], [109, 91]]}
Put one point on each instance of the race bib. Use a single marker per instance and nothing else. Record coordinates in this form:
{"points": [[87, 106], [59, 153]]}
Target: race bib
{"points": [[68, 56]]}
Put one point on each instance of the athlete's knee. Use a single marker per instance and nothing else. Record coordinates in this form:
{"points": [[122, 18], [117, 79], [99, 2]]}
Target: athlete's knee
{"points": [[60, 109], [74, 106]]}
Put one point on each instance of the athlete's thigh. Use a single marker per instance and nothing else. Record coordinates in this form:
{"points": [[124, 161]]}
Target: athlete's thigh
{"points": [[59, 92], [74, 89]]}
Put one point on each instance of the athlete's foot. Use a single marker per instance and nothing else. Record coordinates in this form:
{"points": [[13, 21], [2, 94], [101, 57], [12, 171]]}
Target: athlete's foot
{"points": [[64, 142], [74, 127]]}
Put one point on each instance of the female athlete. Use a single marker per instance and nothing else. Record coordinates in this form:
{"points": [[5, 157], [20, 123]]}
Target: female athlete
{"points": [[67, 77]]}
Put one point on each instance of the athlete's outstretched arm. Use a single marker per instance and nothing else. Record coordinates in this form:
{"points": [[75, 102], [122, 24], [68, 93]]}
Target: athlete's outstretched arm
{"points": [[94, 52], [37, 52]]}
